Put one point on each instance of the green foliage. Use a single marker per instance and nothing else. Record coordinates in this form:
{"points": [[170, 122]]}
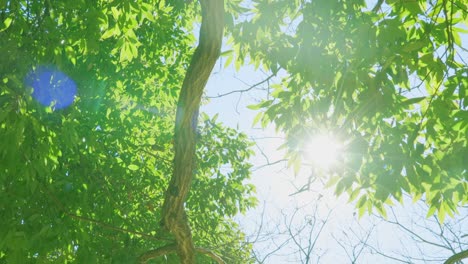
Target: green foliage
{"points": [[85, 184], [392, 84]]}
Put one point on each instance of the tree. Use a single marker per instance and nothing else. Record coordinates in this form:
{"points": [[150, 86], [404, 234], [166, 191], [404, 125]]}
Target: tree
{"points": [[205, 56], [314, 233], [99, 109], [421, 239], [293, 235], [85, 182]]}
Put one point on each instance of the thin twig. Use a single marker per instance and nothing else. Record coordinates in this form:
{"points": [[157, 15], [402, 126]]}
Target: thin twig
{"points": [[243, 90]]}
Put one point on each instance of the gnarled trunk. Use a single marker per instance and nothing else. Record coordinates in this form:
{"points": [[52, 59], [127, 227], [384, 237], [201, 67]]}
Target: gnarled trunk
{"points": [[201, 65]]}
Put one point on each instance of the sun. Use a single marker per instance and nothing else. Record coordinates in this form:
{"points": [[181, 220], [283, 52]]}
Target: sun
{"points": [[323, 150]]}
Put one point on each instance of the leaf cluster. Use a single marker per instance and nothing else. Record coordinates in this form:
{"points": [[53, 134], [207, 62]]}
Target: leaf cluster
{"points": [[391, 83]]}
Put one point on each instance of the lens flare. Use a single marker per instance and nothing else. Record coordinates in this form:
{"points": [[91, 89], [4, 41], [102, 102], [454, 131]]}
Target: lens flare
{"points": [[51, 87]]}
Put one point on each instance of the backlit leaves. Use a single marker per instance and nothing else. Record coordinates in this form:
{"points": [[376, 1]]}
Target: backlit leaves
{"points": [[391, 82]]}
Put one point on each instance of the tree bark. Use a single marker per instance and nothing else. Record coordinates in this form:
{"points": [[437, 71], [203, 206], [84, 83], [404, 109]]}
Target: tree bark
{"points": [[174, 218]]}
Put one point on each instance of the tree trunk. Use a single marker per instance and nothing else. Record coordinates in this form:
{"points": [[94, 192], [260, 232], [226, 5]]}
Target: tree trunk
{"points": [[174, 218]]}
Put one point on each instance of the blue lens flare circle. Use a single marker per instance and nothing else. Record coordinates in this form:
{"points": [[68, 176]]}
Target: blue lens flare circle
{"points": [[51, 87]]}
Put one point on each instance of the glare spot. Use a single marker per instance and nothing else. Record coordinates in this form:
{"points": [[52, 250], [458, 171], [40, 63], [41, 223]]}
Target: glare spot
{"points": [[51, 87], [323, 151]]}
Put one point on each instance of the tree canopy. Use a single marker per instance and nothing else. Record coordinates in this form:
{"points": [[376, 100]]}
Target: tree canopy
{"points": [[95, 166], [86, 182], [389, 80]]}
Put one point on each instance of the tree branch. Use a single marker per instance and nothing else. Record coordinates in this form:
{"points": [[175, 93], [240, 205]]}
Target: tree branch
{"points": [[457, 257], [244, 90], [377, 6]]}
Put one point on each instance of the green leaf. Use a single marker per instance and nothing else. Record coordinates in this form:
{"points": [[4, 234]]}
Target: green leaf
{"points": [[414, 100], [354, 194], [109, 33], [126, 53], [362, 205], [257, 118], [413, 6], [431, 211], [133, 167], [382, 210], [115, 12], [228, 61], [6, 23], [415, 45], [162, 4], [254, 107], [226, 52]]}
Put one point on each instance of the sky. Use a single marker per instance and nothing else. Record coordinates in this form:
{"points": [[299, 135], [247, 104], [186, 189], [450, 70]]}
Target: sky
{"points": [[276, 183]]}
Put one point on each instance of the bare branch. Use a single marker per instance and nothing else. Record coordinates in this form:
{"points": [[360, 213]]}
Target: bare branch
{"points": [[244, 90]]}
